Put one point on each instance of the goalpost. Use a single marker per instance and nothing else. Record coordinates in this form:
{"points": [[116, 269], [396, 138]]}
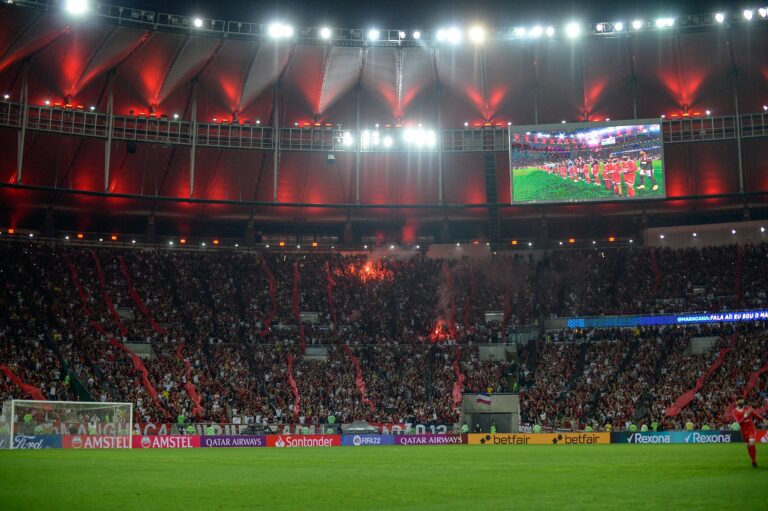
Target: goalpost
{"points": [[26, 420]]}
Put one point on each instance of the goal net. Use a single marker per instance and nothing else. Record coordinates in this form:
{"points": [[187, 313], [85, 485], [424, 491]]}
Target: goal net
{"points": [[35, 424]]}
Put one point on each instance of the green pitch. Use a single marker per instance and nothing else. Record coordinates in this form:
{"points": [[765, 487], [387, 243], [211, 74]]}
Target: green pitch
{"points": [[536, 185], [445, 477]]}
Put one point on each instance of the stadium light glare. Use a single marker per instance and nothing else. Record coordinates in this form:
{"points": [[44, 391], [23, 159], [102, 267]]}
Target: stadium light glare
{"points": [[373, 34], [47, 102], [530, 243], [733, 231], [661, 236], [618, 26], [92, 108], [133, 241], [66, 238], [600, 27], [278, 30], [536, 31], [77, 7], [665, 22], [325, 33], [477, 35], [763, 12], [416, 35], [401, 34], [719, 17], [572, 30], [175, 116], [762, 229], [550, 31], [708, 112], [387, 142], [6, 96], [748, 14], [694, 234], [519, 32], [637, 24], [197, 22], [509, 123], [467, 124]]}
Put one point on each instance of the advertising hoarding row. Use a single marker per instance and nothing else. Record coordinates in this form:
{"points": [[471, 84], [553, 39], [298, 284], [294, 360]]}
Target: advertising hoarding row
{"points": [[364, 440]]}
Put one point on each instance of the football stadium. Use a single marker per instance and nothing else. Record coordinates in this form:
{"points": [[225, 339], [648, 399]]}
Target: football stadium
{"points": [[459, 256]]}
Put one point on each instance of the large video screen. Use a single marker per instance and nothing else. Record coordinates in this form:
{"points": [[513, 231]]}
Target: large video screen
{"points": [[587, 162]]}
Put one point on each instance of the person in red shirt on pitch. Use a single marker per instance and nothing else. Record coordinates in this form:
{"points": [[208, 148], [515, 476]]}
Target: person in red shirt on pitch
{"points": [[616, 176], [585, 171], [743, 415], [629, 169], [596, 171], [608, 174]]}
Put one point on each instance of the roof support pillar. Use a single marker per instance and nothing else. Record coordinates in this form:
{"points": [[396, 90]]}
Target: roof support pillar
{"points": [[193, 138], [110, 128], [439, 131], [276, 140], [24, 119], [358, 144]]}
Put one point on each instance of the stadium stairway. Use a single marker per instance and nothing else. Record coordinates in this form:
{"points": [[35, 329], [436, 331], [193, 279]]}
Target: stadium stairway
{"points": [[492, 197]]}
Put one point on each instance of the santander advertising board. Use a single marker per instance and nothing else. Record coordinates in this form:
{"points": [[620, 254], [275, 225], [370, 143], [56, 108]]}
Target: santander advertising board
{"points": [[303, 440]]}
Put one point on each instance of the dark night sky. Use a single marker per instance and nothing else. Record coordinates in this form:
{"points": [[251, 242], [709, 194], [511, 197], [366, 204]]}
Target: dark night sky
{"points": [[410, 14]]}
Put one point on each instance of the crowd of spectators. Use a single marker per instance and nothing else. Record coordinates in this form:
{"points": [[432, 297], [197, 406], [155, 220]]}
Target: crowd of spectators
{"points": [[226, 328]]}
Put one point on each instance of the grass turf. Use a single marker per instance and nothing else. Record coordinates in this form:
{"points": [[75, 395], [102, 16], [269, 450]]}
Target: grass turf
{"points": [[532, 184], [429, 477]]}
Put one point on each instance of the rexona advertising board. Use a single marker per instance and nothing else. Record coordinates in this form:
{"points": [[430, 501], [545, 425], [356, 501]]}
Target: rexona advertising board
{"points": [[430, 439], [95, 442], [303, 440], [364, 440], [676, 437], [233, 441], [166, 442], [539, 439]]}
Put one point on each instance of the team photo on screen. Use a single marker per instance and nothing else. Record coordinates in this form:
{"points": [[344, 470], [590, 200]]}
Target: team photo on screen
{"points": [[587, 162]]}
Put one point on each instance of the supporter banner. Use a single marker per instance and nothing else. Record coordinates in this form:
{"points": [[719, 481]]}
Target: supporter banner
{"points": [[360, 440], [539, 439], [233, 441], [676, 437], [96, 442], [36, 442], [303, 440], [399, 428], [166, 442], [672, 319], [429, 439]]}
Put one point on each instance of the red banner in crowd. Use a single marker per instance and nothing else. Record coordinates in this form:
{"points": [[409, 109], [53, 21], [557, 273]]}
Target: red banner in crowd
{"points": [[31, 390], [139, 366], [272, 288], [137, 299], [294, 387], [359, 381], [458, 385], [687, 397], [188, 385], [105, 295]]}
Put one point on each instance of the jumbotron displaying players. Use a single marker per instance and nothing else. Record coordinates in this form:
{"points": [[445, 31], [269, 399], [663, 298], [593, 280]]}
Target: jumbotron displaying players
{"points": [[744, 416], [588, 162]]}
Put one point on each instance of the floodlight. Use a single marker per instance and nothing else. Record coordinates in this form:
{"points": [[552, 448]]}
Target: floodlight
{"points": [[477, 35], [536, 31], [748, 13], [77, 7], [347, 139], [665, 22], [6, 96], [401, 34], [618, 26], [763, 12], [279, 30], [600, 27], [175, 116], [417, 35], [197, 22], [572, 30], [92, 108], [708, 112], [519, 32], [325, 33], [720, 17], [637, 24], [550, 31], [373, 34], [387, 142]]}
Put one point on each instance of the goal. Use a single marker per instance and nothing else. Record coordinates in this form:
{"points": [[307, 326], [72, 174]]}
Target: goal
{"points": [[36, 424]]}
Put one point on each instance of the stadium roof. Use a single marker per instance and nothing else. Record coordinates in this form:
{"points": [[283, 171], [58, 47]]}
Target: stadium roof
{"points": [[79, 60]]}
